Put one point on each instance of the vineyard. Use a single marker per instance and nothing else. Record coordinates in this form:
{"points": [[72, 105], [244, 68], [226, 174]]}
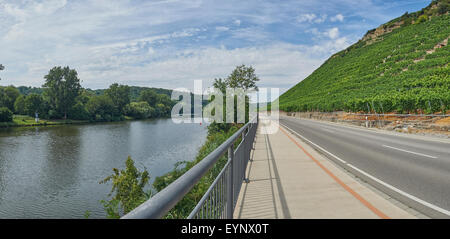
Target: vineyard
{"points": [[403, 70]]}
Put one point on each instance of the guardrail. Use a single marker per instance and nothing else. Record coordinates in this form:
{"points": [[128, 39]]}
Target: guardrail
{"points": [[220, 199]]}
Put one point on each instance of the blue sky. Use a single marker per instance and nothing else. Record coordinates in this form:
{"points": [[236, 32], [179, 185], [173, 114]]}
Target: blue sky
{"points": [[171, 43]]}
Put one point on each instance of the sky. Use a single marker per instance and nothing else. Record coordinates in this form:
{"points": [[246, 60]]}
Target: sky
{"points": [[171, 43]]}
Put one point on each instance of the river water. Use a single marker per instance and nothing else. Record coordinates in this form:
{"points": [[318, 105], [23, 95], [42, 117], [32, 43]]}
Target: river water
{"points": [[54, 172]]}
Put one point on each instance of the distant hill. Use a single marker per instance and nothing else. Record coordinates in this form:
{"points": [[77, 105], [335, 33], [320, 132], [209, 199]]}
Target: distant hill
{"points": [[135, 91], [400, 66]]}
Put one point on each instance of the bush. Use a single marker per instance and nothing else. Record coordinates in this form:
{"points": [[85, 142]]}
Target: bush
{"points": [[78, 112], [33, 103], [127, 190], [53, 114], [443, 8], [139, 110], [101, 108], [422, 18], [6, 115], [19, 105]]}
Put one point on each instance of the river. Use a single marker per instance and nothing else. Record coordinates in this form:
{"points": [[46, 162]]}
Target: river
{"points": [[54, 172]]}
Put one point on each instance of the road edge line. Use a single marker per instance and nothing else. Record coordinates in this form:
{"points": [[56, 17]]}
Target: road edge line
{"points": [[410, 200], [360, 198]]}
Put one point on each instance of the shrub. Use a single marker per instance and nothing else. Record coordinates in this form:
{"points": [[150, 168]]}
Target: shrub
{"points": [[128, 189], [33, 103], [443, 8], [19, 105], [101, 108], [139, 110], [6, 115], [422, 18], [78, 112]]}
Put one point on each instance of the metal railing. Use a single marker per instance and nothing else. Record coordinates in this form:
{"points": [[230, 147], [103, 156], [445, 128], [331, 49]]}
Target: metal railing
{"points": [[220, 199]]}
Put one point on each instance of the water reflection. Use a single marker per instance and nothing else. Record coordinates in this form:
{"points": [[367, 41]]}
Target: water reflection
{"points": [[53, 172]]}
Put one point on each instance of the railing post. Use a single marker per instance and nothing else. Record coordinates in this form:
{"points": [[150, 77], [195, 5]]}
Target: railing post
{"points": [[230, 183]]}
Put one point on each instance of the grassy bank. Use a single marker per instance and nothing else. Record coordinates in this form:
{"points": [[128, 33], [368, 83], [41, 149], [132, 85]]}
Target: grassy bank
{"points": [[27, 121]]}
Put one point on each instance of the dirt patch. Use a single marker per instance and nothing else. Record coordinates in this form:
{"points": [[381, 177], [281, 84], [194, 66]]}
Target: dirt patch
{"points": [[439, 45], [444, 121]]}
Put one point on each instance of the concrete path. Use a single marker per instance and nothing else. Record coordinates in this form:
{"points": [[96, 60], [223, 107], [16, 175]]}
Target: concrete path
{"points": [[289, 179]]}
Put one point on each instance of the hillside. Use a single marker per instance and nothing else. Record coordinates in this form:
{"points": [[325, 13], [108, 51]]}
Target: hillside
{"points": [[402, 66], [134, 91]]}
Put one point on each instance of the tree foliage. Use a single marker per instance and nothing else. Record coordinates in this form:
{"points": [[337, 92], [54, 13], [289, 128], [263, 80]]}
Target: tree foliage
{"points": [[8, 96], [33, 103], [149, 96], [127, 189], [101, 108], [242, 77], [62, 87], [6, 115], [139, 110], [120, 96]]}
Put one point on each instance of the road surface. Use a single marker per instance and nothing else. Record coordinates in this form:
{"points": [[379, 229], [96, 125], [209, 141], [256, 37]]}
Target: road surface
{"points": [[415, 165]]}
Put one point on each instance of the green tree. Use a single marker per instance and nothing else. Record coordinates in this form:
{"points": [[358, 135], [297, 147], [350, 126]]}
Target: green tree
{"points": [[19, 105], [6, 115], [101, 108], [139, 110], [62, 86], [120, 95], [127, 189], [33, 104], [242, 77], [8, 96], [150, 96], [163, 105], [220, 84]]}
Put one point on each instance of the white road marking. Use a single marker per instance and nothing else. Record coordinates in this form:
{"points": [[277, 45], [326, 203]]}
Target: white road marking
{"points": [[384, 132], [411, 152], [416, 199]]}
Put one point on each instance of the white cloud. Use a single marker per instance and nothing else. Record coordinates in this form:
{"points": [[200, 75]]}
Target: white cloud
{"points": [[332, 33], [326, 48], [168, 43], [321, 19], [308, 17], [311, 18], [278, 65], [339, 17], [222, 29]]}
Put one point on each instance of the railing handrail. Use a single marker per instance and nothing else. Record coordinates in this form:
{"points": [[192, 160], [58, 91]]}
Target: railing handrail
{"points": [[162, 202]]}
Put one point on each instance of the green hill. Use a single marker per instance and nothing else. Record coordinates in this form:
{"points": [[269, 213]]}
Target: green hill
{"points": [[402, 66]]}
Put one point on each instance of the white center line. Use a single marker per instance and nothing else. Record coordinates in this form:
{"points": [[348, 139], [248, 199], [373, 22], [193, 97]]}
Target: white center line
{"points": [[433, 157]]}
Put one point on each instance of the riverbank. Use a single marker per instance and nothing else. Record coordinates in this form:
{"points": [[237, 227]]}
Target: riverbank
{"points": [[27, 121]]}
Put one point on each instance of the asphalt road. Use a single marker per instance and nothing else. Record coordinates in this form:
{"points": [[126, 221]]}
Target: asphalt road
{"points": [[415, 165]]}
